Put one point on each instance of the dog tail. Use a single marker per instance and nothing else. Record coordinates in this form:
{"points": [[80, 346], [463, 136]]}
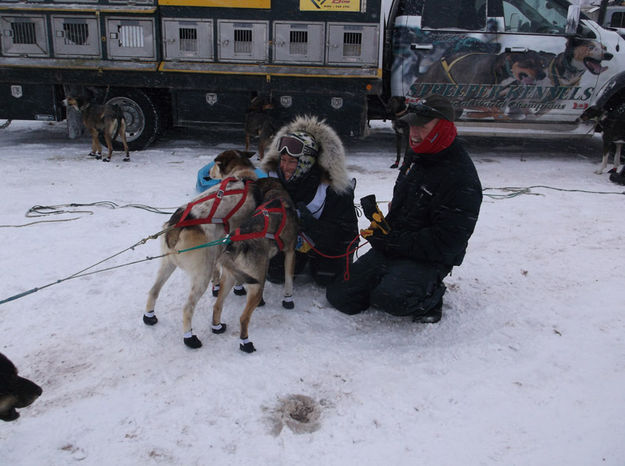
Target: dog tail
{"points": [[171, 237]]}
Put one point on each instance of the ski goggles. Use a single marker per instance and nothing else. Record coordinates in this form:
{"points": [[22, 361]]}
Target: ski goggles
{"points": [[294, 146]]}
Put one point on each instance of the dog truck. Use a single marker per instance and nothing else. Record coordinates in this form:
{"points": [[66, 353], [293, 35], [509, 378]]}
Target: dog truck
{"points": [[527, 67]]}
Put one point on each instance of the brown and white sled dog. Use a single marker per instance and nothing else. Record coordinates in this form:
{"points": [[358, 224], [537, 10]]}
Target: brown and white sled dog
{"points": [[273, 226], [101, 118], [207, 218]]}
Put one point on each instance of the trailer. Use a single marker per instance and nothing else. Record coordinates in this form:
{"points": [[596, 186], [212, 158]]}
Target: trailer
{"points": [[192, 62]]}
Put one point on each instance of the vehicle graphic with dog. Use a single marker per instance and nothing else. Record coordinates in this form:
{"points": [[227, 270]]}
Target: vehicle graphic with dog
{"points": [[506, 64]]}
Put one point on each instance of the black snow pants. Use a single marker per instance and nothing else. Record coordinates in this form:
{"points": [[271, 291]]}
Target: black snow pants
{"points": [[400, 287], [322, 270]]}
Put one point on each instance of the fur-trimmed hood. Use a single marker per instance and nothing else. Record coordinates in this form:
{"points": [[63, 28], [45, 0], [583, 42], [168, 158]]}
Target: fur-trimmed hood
{"points": [[331, 158]]}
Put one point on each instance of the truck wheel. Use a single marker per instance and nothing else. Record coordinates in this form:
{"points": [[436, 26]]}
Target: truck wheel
{"points": [[142, 118]]}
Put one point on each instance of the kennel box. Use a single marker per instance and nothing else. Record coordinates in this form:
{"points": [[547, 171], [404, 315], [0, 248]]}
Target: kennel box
{"points": [[242, 41], [130, 38], [76, 36], [298, 42], [188, 39], [350, 44], [24, 35]]}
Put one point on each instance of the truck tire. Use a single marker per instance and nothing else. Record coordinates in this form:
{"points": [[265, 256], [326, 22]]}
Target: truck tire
{"points": [[143, 122]]}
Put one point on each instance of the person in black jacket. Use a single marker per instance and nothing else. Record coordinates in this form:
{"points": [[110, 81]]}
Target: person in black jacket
{"points": [[433, 212], [309, 159]]}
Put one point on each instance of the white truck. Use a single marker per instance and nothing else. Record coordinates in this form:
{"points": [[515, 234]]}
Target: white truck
{"points": [[526, 67]]}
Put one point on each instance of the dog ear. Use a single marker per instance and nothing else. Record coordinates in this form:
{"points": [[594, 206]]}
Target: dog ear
{"points": [[247, 154]]}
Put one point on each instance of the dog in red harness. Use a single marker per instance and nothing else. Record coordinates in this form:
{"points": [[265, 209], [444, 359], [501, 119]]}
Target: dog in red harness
{"points": [[206, 219], [272, 227]]}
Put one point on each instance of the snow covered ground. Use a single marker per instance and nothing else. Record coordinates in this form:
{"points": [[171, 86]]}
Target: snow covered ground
{"points": [[527, 366]]}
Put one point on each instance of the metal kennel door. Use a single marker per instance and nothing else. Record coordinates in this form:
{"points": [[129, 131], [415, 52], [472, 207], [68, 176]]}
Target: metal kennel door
{"points": [[24, 35], [76, 36]]}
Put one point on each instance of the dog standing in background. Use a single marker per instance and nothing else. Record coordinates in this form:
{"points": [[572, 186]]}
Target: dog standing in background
{"points": [[258, 123], [101, 118], [397, 108], [611, 122], [15, 391]]}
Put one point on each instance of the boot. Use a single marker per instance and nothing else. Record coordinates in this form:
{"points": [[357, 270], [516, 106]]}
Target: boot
{"points": [[430, 317]]}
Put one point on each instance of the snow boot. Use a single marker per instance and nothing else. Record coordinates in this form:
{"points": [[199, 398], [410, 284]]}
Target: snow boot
{"points": [[430, 317]]}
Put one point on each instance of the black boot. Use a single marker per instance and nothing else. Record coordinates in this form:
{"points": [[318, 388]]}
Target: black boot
{"points": [[430, 317]]}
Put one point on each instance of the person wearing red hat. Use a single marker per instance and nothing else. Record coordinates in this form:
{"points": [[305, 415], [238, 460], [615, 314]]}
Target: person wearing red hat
{"points": [[433, 212]]}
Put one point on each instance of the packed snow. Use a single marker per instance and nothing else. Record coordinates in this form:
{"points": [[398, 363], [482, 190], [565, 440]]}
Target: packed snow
{"points": [[527, 366]]}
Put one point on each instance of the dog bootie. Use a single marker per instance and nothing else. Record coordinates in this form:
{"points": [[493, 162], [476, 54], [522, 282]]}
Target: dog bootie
{"points": [[618, 178], [246, 346], [192, 342]]}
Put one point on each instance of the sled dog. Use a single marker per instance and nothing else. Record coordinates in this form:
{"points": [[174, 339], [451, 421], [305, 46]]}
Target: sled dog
{"points": [[397, 107], [259, 123], [271, 227], [15, 391], [209, 217], [612, 125], [101, 118]]}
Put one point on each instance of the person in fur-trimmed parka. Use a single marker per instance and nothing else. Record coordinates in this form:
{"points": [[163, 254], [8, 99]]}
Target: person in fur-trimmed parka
{"points": [[309, 159]]}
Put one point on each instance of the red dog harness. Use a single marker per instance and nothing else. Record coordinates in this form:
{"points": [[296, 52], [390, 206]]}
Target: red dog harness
{"points": [[264, 210], [217, 196]]}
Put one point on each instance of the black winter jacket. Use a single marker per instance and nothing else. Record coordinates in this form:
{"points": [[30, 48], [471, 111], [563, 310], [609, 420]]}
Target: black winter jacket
{"points": [[337, 226], [435, 206]]}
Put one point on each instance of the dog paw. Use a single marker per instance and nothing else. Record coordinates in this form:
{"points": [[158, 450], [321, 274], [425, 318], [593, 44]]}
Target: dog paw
{"points": [[98, 156], [219, 329], [262, 302], [247, 347], [598, 172], [239, 290], [395, 165], [93, 154], [149, 320], [126, 159], [105, 159], [192, 342], [288, 304]]}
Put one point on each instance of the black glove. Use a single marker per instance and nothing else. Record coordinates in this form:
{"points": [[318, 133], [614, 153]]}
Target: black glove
{"points": [[385, 243], [306, 219]]}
